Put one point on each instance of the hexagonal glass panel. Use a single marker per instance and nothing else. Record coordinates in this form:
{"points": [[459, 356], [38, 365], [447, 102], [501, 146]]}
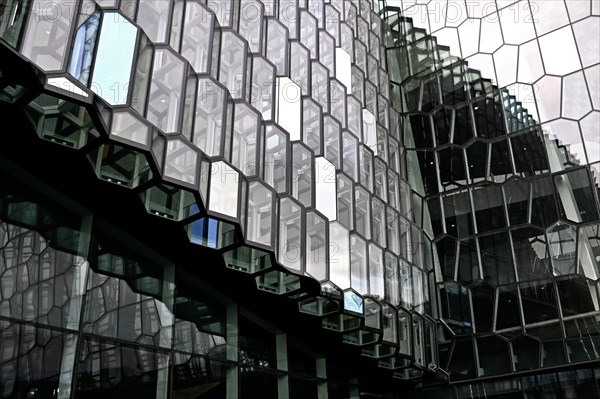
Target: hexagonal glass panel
{"points": [[120, 165], [169, 202], [61, 121]]}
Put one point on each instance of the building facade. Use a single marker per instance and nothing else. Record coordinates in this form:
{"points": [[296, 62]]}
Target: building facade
{"points": [[296, 199]]}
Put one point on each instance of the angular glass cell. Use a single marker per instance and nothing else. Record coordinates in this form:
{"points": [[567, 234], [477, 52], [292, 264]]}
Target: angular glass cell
{"points": [[508, 313], [181, 162], [83, 49], [345, 201], [339, 255], [290, 234], [378, 223], [350, 155], [589, 251], [577, 202], [276, 158], [366, 167], [47, 33], [277, 46], [251, 25], [539, 301], [247, 260], [153, 17], [233, 64], [455, 309], [362, 212], [489, 208], [516, 194], [462, 364], [320, 85], [327, 57], [316, 246], [128, 126], [559, 52], [493, 355], [288, 107], [309, 32], [196, 45], [210, 119], [262, 88], [111, 76], [312, 125], [245, 138], [393, 231], [61, 121], [169, 202], [496, 258], [211, 233], [120, 165], [543, 204], [458, 218], [452, 175], [224, 189], [166, 91], [532, 258], [12, 17], [483, 298], [418, 289], [358, 264], [562, 241], [577, 295], [325, 188], [260, 214], [302, 177], [500, 165], [526, 353]]}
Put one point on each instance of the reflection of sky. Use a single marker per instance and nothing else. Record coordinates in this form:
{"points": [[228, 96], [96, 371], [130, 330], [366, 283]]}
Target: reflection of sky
{"points": [[558, 50], [112, 69], [204, 232]]}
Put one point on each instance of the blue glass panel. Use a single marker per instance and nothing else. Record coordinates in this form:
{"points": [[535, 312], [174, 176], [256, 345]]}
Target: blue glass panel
{"points": [[114, 59], [204, 232], [353, 302], [83, 49]]}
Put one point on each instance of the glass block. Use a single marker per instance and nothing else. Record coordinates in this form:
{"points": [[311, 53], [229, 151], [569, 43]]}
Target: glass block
{"points": [[210, 119], [45, 35], [61, 121], [83, 49], [169, 202], [278, 282], [316, 246], [224, 189], [120, 165], [290, 230], [262, 94], [244, 141], [114, 59], [233, 64], [181, 162], [260, 214], [196, 46], [247, 260], [211, 233]]}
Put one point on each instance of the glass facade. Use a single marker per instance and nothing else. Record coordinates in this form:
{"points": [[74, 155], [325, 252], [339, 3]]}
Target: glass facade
{"points": [[299, 198]]}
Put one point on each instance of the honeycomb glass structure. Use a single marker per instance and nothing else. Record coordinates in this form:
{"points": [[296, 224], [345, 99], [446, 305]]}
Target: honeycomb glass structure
{"points": [[299, 198]]}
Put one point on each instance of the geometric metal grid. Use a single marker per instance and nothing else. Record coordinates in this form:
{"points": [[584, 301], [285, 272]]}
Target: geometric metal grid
{"points": [[268, 131]]}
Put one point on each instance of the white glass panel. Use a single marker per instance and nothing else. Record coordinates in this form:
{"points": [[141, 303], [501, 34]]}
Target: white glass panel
{"points": [[289, 107], [559, 52], [224, 189], [343, 68], [339, 255], [325, 188]]}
